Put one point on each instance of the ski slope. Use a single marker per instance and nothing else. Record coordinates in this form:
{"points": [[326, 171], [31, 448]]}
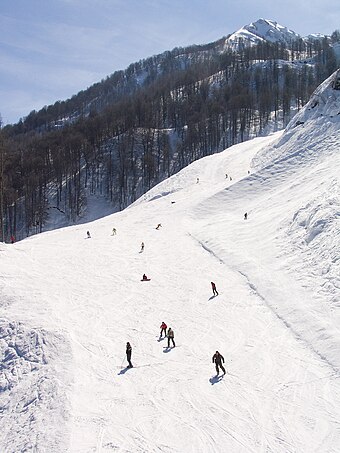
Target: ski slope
{"points": [[69, 305]]}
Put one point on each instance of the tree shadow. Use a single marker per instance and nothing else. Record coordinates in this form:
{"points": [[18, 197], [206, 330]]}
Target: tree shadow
{"points": [[215, 379]]}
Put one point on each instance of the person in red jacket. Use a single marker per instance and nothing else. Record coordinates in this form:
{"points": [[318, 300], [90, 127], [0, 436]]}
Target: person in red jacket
{"points": [[213, 286], [163, 329], [12, 239]]}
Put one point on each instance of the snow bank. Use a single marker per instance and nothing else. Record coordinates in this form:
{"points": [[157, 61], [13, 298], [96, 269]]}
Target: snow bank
{"points": [[32, 397], [315, 234]]}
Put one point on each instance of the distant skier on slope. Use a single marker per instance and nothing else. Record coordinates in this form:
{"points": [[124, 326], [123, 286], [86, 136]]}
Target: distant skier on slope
{"points": [[158, 226], [218, 359], [213, 286], [171, 336], [88, 235], [142, 247], [145, 278], [12, 239], [128, 354], [163, 329], [245, 216], [114, 231]]}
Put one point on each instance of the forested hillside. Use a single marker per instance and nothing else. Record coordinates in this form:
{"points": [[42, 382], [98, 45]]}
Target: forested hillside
{"points": [[120, 137]]}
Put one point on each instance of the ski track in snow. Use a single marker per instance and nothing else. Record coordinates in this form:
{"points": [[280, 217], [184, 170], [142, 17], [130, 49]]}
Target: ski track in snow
{"points": [[275, 328]]}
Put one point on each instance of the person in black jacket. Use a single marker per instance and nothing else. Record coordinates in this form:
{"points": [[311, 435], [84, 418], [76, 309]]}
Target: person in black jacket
{"points": [[218, 359], [213, 287], [128, 354]]}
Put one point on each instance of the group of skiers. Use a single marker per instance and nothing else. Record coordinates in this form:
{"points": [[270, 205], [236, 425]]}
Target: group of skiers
{"points": [[217, 358], [170, 335]]}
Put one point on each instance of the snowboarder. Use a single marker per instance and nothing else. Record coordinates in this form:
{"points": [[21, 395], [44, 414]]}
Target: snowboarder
{"points": [[171, 337], [128, 354], [142, 247], [245, 216], [114, 231], [213, 286], [163, 329], [218, 359], [158, 226], [88, 235], [145, 277]]}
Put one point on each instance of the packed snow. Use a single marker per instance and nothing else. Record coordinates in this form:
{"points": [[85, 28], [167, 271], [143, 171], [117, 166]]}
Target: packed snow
{"points": [[70, 303]]}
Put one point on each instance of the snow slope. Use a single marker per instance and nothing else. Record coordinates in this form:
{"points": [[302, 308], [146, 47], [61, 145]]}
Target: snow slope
{"points": [[69, 305]]}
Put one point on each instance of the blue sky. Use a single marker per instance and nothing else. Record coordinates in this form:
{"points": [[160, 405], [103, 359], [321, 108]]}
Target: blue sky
{"points": [[51, 49]]}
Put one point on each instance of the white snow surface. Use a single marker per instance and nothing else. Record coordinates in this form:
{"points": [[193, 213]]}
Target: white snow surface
{"points": [[69, 305]]}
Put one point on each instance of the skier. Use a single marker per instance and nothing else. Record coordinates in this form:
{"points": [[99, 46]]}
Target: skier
{"points": [[142, 247], [213, 286], [245, 216], [171, 337], [218, 359], [163, 329], [197, 180], [88, 235], [114, 231], [12, 239], [226, 176], [230, 178], [128, 354], [158, 226]]}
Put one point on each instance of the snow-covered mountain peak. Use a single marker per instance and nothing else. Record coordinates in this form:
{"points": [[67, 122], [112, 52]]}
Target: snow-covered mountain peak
{"points": [[259, 31], [271, 31]]}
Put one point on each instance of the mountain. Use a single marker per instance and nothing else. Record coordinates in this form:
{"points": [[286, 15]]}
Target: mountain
{"points": [[69, 305], [113, 142], [262, 30]]}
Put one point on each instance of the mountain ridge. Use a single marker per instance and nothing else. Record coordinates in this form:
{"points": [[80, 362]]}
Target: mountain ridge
{"points": [[121, 137]]}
